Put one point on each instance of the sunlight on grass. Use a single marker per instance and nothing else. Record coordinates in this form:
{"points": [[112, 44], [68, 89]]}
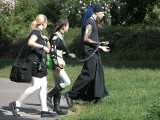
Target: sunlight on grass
{"points": [[132, 91]]}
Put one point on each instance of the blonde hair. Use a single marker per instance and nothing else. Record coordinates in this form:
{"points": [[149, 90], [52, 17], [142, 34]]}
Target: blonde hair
{"points": [[40, 19]]}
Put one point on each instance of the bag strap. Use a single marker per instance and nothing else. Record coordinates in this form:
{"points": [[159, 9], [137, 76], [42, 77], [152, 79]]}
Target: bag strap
{"points": [[17, 58]]}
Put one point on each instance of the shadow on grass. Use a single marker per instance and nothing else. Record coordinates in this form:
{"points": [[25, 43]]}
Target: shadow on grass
{"points": [[146, 64]]}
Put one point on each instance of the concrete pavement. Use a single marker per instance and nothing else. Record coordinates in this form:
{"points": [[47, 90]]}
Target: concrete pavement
{"points": [[30, 109]]}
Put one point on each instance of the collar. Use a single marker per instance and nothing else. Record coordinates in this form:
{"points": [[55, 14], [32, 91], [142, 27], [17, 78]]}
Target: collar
{"points": [[60, 35]]}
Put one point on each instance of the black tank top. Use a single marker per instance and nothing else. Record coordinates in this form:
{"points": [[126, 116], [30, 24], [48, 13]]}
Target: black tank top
{"points": [[90, 48], [37, 54]]}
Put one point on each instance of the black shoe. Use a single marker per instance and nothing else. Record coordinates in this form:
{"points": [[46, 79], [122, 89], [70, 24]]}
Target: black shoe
{"points": [[57, 108], [15, 110], [61, 112], [48, 114], [49, 102], [68, 99], [98, 100]]}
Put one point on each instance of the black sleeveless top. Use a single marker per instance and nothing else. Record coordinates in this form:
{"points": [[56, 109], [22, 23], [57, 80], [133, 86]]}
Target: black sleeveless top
{"points": [[90, 48], [60, 44]]}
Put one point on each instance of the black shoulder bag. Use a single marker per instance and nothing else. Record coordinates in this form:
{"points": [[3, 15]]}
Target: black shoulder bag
{"points": [[21, 72]]}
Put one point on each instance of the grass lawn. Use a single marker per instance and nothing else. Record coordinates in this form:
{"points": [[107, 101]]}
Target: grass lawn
{"points": [[134, 90]]}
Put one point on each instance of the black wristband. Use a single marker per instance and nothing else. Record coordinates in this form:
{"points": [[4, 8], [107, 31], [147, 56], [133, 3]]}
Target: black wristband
{"points": [[46, 40]]}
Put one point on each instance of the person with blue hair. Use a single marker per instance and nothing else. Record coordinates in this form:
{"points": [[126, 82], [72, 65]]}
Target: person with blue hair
{"points": [[90, 84]]}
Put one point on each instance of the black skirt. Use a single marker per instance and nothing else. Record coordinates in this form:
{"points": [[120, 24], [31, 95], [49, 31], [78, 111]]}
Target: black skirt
{"points": [[39, 70], [90, 84]]}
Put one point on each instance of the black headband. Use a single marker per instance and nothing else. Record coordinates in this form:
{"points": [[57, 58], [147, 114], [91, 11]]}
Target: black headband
{"points": [[98, 8]]}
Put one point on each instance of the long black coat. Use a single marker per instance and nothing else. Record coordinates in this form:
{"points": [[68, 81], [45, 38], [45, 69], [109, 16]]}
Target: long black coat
{"points": [[90, 84]]}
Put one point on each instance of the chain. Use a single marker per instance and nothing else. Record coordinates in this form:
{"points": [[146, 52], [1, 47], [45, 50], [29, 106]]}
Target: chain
{"points": [[89, 56]]}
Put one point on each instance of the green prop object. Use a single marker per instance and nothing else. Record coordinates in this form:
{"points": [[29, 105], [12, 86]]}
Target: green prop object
{"points": [[71, 55], [60, 60], [49, 62]]}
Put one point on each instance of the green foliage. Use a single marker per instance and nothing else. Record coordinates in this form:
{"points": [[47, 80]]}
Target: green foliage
{"points": [[136, 42], [51, 8], [74, 10], [73, 38], [132, 38], [153, 16], [127, 12], [132, 41], [18, 20]]}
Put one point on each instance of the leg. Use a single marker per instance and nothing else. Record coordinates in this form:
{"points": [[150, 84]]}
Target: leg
{"points": [[65, 81], [54, 90], [15, 105], [56, 100], [68, 99], [61, 82], [42, 94], [29, 91], [58, 77], [43, 97]]}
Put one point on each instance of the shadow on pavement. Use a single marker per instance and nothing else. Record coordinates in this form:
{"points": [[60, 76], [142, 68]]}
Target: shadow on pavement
{"points": [[11, 117], [29, 111], [64, 107]]}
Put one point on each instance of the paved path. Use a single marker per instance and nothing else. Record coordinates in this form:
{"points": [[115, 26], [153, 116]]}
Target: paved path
{"points": [[30, 109]]}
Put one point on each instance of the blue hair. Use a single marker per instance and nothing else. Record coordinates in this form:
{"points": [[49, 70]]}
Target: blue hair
{"points": [[88, 14]]}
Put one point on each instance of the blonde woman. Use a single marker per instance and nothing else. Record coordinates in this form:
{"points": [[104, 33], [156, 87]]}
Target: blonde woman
{"points": [[38, 46]]}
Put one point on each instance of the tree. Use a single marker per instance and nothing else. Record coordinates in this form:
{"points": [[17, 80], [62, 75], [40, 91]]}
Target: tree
{"points": [[131, 11]]}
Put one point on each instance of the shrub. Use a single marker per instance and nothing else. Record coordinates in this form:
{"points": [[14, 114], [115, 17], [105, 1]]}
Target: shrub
{"points": [[74, 10], [15, 24], [126, 43]]}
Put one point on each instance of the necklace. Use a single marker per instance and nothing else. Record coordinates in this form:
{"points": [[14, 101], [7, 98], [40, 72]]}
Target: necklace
{"points": [[93, 18], [39, 29]]}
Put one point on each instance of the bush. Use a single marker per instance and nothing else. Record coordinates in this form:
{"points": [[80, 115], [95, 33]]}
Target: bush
{"points": [[130, 12], [126, 43], [15, 24], [132, 38], [73, 38], [50, 8], [74, 10]]}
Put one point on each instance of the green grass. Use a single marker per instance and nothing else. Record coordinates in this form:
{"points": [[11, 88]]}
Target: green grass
{"points": [[134, 90]]}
